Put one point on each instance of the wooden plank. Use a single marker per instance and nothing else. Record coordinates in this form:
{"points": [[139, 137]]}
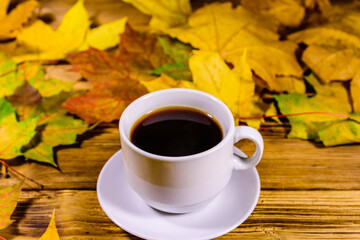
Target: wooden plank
{"points": [[278, 215], [286, 163], [299, 164]]}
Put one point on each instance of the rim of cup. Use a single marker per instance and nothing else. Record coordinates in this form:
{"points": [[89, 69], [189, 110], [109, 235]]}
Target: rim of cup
{"points": [[145, 97]]}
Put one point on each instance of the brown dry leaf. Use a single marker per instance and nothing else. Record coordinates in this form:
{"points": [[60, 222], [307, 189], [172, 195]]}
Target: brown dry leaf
{"points": [[144, 49], [13, 23]]}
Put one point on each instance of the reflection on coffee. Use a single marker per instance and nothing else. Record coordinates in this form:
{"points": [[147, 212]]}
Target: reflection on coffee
{"points": [[176, 131]]}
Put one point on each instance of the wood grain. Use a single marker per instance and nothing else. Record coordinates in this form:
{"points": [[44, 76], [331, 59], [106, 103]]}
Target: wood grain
{"points": [[308, 192], [318, 214]]}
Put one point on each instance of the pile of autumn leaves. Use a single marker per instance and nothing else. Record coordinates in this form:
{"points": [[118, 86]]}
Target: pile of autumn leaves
{"points": [[252, 56], [297, 58], [233, 53]]}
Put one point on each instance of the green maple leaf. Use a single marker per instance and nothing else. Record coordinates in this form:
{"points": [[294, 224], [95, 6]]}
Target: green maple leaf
{"points": [[53, 127], [328, 114], [59, 130], [5, 108], [302, 126], [14, 134], [32, 119], [34, 74], [8, 79], [179, 53], [8, 202], [339, 132]]}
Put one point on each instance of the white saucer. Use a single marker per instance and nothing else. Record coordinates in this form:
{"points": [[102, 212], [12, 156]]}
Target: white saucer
{"points": [[127, 210]]}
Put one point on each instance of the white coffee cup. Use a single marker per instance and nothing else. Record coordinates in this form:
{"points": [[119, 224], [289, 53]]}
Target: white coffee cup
{"points": [[187, 183]]}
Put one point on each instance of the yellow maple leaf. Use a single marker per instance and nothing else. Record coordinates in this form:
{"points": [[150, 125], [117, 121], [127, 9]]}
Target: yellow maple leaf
{"points": [[231, 31], [277, 68], [164, 82], [41, 42], [51, 232], [235, 87], [287, 12], [105, 36], [355, 89], [333, 49], [330, 52], [257, 109], [323, 5], [219, 27], [12, 23], [164, 13]]}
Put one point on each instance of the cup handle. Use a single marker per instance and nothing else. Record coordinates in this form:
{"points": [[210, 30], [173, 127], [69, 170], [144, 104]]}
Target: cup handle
{"points": [[239, 158]]}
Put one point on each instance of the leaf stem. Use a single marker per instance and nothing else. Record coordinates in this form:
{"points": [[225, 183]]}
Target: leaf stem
{"points": [[296, 114], [19, 173]]}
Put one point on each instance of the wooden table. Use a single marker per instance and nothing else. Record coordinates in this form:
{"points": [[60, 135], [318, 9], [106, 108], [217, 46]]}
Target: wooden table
{"points": [[307, 191]]}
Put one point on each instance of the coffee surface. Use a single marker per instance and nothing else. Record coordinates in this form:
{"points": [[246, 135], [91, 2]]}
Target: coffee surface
{"points": [[176, 131]]}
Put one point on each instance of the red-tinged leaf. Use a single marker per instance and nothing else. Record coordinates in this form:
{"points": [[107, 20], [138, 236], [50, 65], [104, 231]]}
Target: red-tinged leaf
{"points": [[92, 107], [105, 103], [8, 202], [137, 54], [115, 77], [100, 66]]}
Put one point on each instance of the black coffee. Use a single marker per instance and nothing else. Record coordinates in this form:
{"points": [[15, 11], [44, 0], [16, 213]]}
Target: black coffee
{"points": [[176, 131]]}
